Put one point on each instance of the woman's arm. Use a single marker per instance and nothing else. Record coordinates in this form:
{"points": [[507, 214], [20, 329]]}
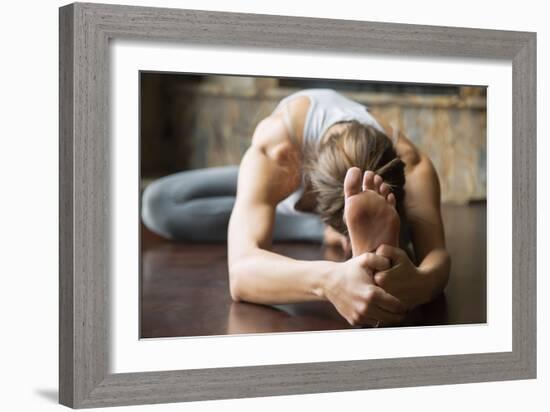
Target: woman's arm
{"points": [[412, 284], [269, 172], [423, 209]]}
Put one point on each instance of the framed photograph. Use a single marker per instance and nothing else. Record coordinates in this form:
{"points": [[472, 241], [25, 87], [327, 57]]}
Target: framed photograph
{"points": [[256, 205]]}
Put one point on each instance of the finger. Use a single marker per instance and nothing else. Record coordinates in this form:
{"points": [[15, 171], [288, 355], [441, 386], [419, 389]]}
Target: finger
{"points": [[368, 180], [391, 252], [375, 262], [378, 182], [385, 189], [380, 279], [387, 302]]}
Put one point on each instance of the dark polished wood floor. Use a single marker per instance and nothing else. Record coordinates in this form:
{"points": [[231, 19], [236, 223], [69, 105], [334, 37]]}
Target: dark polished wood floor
{"points": [[184, 287]]}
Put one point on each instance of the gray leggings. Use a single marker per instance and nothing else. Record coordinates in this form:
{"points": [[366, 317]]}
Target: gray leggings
{"points": [[196, 205]]}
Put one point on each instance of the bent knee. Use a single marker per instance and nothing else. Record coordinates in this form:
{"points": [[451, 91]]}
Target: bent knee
{"points": [[155, 201]]}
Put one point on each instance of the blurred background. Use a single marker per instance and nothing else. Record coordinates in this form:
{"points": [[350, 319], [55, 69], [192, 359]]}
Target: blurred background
{"points": [[195, 121]]}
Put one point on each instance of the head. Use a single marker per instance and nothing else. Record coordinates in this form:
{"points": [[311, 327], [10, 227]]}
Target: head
{"points": [[347, 145]]}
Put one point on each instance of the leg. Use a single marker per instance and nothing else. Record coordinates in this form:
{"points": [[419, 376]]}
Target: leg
{"points": [[306, 227], [193, 205], [196, 205], [369, 212]]}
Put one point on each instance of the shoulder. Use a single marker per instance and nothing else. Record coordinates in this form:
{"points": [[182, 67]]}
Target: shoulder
{"points": [[294, 113], [423, 168], [298, 106], [408, 152], [422, 187], [404, 147], [297, 110], [281, 132], [272, 138], [269, 169], [419, 168]]}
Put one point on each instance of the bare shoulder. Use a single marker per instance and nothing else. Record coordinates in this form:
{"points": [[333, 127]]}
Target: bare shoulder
{"points": [[404, 147], [269, 169], [408, 152], [423, 168], [297, 108], [422, 186], [273, 135]]}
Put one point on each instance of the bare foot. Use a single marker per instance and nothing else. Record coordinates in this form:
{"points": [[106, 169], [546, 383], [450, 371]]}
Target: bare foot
{"points": [[369, 212]]}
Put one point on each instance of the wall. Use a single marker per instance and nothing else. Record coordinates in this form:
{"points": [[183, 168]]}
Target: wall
{"points": [[203, 121], [28, 169]]}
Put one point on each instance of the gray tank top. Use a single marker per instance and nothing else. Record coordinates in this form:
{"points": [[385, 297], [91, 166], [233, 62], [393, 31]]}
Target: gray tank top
{"points": [[326, 108]]}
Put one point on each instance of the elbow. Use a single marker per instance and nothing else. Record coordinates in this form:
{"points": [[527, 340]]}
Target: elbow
{"points": [[234, 291], [242, 282], [235, 283]]}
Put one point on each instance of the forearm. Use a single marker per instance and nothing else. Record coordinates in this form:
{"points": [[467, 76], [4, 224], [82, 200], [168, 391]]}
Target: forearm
{"points": [[265, 277], [435, 269]]}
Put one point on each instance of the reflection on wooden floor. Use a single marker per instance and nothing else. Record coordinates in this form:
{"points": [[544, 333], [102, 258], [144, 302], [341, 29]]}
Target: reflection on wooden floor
{"points": [[184, 287]]}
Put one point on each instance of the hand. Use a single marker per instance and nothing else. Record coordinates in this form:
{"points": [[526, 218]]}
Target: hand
{"points": [[352, 291], [403, 280]]}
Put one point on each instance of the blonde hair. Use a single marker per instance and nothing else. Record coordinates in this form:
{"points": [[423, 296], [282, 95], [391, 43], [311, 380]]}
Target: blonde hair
{"points": [[354, 145]]}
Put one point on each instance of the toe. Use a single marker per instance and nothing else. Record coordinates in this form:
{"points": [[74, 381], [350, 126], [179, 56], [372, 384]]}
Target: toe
{"points": [[384, 189], [378, 182], [368, 180], [352, 182], [391, 199]]}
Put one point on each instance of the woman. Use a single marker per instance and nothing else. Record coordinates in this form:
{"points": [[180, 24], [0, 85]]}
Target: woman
{"points": [[320, 167]]}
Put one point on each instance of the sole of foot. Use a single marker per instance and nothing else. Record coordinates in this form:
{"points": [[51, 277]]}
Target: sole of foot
{"points": [[369, 212]]}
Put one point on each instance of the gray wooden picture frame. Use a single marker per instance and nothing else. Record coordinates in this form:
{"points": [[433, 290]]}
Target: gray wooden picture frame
{"points": [[85, 31]]}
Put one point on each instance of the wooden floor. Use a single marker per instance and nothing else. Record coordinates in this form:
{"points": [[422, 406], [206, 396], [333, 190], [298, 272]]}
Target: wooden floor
{"points": [[184, 287]]}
